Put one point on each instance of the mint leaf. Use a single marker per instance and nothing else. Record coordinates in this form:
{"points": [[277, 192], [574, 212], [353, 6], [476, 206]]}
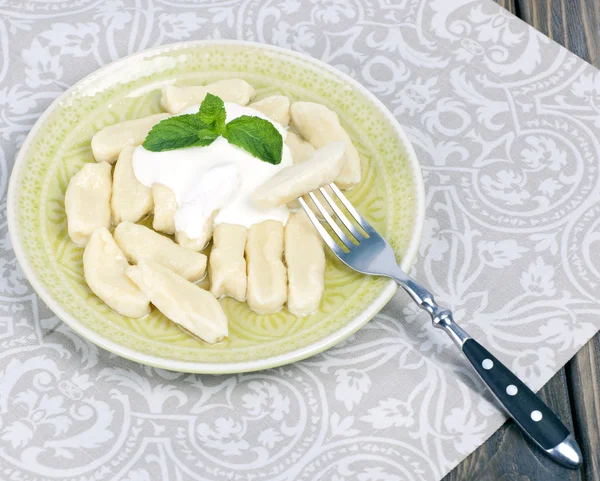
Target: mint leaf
{"points": [[257, 136], [178, 132], [212, 113], [207, 136]]}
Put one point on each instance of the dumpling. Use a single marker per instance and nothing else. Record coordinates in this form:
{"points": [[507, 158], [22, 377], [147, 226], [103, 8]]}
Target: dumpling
{"points": [[165, 206], [276, 107], [297, 180], [104, 267], [300, 149], [176, 99], [321, 126], [267, 282], [108, 143], [197, 243], [87, 201], [226, 264], [137, 242], [130, 199], [189, 306], [305, 260]]}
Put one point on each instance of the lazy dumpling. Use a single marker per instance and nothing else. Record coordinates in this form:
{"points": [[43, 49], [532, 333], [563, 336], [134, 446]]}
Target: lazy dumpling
{"points": [[294, 181], [108, 143], [165, 206], [276, 107], [267, 282], [137, 242], [321, 126], [87, 201], [200, 242], [131, 200], [176, 99], [305, 260], [226, 264], [104, 267], [300, 149], [189, 306]]}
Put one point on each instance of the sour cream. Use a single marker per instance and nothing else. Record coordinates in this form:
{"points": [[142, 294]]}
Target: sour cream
{"points": [[219, 177]]}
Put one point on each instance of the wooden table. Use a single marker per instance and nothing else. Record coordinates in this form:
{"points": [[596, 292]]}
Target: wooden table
{"points": [[574, 392]]}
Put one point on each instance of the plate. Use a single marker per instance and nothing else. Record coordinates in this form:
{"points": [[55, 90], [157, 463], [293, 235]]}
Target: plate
{"points": [[391, 196]]}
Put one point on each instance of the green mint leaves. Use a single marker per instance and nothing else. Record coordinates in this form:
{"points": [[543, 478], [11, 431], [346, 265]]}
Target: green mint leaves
{"points": [[257, 136], [212, 113], [176, 133], [253, 134]]}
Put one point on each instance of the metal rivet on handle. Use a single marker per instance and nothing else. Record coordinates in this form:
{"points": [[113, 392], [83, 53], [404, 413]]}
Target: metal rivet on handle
{"points": [[536, 416]]}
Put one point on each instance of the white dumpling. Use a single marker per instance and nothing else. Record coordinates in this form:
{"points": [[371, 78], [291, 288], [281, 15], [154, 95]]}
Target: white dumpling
{"points": [[226, 264], [197, 243], [165, 206], [305, 260], [87, 201], [176, 99], [188, 305], [276, 107], [104, 267], [267, 282], [300, 149], [321, 126], [130, 199], [108, 143], [297, 180], [137, 242]]}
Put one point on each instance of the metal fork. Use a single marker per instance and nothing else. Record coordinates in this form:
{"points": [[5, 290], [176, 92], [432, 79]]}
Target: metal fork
{"points": [[365, 251]]}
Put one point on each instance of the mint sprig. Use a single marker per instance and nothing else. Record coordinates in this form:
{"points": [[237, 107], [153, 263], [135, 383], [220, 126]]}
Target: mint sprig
{"points": [[253, 134]]}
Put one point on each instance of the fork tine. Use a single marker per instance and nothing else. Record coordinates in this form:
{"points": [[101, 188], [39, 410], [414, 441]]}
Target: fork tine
{"points": [[333, 245], [350, 208], [343, 237], [349, 225]]}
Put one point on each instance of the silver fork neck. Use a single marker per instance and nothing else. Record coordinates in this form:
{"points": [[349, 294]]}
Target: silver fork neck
{"points": [[440, 316]]}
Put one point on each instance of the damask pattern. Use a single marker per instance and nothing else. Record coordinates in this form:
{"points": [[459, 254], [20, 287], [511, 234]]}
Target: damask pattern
{"points": [[506, 125]]}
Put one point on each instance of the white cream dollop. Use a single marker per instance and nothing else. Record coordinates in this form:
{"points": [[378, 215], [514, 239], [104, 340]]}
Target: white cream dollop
{"points": [[218, 176]]}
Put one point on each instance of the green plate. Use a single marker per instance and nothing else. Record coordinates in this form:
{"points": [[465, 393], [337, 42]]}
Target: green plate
{"points": [[390, 196]]}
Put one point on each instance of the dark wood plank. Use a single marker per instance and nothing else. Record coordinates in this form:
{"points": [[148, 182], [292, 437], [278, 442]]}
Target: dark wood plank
{"points": [[583, 374], [509, 456], [508, 4], [574, 24]]}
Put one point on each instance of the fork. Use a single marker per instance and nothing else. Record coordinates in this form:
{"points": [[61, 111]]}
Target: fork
{"points": [[365, 251]]}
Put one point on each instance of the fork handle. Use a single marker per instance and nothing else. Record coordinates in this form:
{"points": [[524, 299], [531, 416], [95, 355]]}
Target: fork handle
{"points": [[530, 413]]}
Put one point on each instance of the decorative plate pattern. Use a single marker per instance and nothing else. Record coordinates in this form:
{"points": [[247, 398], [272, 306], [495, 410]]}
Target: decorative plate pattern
{"points": [[390, 196]]}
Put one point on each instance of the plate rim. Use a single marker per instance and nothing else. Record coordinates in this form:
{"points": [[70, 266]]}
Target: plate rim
{"points": [[206, 367]]}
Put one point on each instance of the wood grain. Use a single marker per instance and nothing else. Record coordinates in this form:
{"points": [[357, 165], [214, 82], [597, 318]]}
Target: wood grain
{"points": [[574, 392], [508, 4], [575, 24]]}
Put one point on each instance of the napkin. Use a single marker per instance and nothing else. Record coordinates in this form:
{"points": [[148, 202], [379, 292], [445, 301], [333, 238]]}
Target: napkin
{"points": [[505, 124]]}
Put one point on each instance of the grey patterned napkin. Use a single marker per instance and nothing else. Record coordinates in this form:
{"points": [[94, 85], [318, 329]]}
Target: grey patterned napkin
{"points": [[506, 125]]}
